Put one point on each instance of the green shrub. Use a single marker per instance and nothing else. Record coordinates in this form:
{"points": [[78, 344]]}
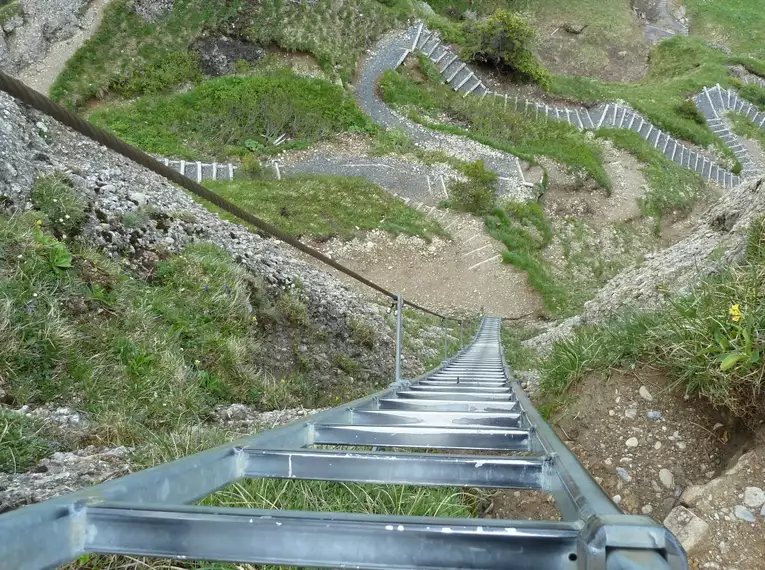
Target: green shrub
{"points": [[504, 40], [476, 195], [362, 331]]}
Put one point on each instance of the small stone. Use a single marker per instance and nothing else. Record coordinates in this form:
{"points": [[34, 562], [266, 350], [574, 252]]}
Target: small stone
{"points": [[138, 197], [647, 509], [681, 445], [611, 413], [657, 445], [754, 497], [744, 514], [608, 461], [655, 486], [645, 394], [654, 415], [762, 511], [630, 413], [691, 495], [40, 125], [616, 499], [622, 472], [631, 442], [689, 529], [666, 478]]}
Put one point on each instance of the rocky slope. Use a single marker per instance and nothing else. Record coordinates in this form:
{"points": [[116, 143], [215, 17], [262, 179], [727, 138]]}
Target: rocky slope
{"points": [[718, 238]]}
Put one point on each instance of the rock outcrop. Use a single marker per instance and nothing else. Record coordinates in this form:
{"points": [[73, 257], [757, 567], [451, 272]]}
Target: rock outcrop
{"points": [[719, 239]]}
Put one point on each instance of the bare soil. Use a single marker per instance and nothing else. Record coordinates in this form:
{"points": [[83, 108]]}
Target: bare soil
{"points": [[464, 273]]}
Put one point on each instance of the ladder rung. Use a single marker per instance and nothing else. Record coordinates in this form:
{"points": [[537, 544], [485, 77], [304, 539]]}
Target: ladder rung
{"points": [[454, 386], [462, 383], [335, 540], [436, 418], [422, 437], [468, 396], [397, 468], [446, 405]]}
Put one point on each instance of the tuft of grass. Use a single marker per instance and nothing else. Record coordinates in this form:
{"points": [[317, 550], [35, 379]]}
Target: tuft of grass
{"points": [[671, 188], [744, 127], [22, 442], [517, 356], [490, 122], [327, 206], [9, 11], [711, 341], [57, 200], [233, 116]]}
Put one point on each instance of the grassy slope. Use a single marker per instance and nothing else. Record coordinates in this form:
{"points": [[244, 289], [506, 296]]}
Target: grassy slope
{"points": [[671, 188], [505, 129], [218, 117], [699, 340], [737, 24], [129, 56], [326, 206]]}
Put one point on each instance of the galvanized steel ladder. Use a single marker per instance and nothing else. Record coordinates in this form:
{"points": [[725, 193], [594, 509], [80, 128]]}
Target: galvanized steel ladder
{"points": [[471, 402]]}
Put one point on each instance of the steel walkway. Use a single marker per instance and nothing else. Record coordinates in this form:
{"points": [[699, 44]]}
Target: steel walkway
{"points": [[469, 403]]}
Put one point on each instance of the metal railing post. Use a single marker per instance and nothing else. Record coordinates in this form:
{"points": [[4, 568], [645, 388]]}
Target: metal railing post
{"points": [[399, 334], [443, 326]]}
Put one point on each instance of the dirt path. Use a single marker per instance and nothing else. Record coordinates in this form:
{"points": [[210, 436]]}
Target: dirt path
{"points": [[465, 274], [42, 74]]}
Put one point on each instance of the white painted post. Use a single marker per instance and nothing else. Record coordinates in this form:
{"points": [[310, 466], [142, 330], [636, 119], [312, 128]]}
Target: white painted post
{"points": [[215, 170]]}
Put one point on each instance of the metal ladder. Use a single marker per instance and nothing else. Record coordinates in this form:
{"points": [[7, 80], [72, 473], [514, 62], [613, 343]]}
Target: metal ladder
{"points": [[471, 402]]}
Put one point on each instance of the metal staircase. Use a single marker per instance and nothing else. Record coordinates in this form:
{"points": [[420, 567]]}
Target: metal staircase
{"points": [[471, 403]]}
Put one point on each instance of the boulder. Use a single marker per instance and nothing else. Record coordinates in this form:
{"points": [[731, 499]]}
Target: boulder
{"points": [[689, 529], [219, 55]]}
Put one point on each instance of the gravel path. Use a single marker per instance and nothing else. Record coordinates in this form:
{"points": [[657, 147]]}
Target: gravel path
{"points": [[414, 180], [388, 54], [42, 74]]}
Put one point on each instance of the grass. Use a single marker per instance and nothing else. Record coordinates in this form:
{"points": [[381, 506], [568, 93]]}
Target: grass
{"points": [[671, 188], [710, 341], [8, 11], [129, 56], [23, 442], [422, 95], [322, 207], [679, 68], [233, 116], [742, 126], [754, 94], [135, 355], [738, 24], [517, 356]]}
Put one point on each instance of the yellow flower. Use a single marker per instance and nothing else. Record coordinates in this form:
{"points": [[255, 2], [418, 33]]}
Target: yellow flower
{"points": [[735, 313], [38, 223], [196, 362]]}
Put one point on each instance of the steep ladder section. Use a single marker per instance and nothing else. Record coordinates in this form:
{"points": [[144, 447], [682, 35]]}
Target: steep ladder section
{"points": [[469, 403]]}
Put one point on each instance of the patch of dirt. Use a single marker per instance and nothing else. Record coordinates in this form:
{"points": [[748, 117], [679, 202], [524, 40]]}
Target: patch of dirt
{"points": [[645, 458], [466, 273], [528, 505], [303, 64], [732, 543], [42, 74], [582, 54], [567, 195]]}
